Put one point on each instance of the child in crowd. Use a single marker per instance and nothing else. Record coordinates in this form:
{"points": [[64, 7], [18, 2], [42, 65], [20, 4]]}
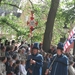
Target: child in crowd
{"points": [[10, 70], [22, 68], [17, 68]]}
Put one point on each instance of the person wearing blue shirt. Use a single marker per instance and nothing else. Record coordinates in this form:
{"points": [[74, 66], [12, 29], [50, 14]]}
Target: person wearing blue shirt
{"points": [[34, 62], [60, 62]]}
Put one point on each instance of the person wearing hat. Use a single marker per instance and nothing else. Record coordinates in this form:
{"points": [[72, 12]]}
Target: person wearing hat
{"points": [[59, 62], [34, 62]]}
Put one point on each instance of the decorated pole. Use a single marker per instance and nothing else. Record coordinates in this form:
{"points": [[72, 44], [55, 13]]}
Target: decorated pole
{"points": [[32, 24]]}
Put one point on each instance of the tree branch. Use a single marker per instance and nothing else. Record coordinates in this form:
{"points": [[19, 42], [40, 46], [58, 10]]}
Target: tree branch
{"points": [[12, 5], [0, 1], [31, 4]]}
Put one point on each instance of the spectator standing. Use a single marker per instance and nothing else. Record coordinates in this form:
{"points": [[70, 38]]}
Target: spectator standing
{"points": [[2, 51], [2, 65], [14, 58], [0, 42], [17, 68], [71, 69], [10, 70], [7, 63], [19, 54], [22, 68]]}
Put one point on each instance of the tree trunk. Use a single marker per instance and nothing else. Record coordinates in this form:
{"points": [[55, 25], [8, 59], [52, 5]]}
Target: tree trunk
{"points": [[49, 25]]}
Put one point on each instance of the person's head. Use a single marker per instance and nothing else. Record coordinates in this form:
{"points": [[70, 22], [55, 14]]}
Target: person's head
{"points": [[6, 42], [3, 59], [0, 40], [23, 50], [15, 48], [12, 48], [12, 42], [8, 59], [60, 48], [14, 57], [11, 62], [40, 45], [1, 44], [14, 65], [23, 62], [47, 55], [50, 55], [35, 48], [22, 42], [3, 48], [28, 45], [51, 46], [34, 51], [18, 62], [20, 51]]}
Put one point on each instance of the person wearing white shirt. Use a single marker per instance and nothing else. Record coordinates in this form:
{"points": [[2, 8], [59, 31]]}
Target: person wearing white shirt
{"points": [[22, 68], [71, 68]]}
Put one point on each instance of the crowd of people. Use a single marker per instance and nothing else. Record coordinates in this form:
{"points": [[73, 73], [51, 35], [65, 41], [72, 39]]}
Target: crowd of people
{"points": [[26, 59]]}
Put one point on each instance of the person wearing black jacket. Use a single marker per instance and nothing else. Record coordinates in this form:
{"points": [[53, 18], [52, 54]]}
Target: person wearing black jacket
{"points": [[10, 70]]}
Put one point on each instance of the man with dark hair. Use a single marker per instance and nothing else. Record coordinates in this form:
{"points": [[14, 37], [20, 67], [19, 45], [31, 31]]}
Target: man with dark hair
{"points": [[34, 62], [60, 62], [1, 44], [12, 42], [17, 68], [6, 42]]}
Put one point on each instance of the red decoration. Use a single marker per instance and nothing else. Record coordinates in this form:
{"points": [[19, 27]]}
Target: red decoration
{"points": [[32, 23], [31, 29], [31, 18]]}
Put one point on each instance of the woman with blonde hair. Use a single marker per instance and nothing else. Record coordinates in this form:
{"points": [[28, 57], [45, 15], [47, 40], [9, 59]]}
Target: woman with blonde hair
{"points": [[22, 68]]}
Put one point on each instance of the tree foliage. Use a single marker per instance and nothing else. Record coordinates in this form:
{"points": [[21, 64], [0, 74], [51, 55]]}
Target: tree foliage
{"points": [[65, 15]]}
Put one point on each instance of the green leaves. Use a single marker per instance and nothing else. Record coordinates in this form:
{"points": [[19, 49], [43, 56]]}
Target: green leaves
{"points": [[69, 11], [65, 14], [19, 29]]}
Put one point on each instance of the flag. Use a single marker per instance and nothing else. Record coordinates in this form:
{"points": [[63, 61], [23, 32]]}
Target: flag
{"points": [[70, 39], [71, 33], [68, 43]]}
